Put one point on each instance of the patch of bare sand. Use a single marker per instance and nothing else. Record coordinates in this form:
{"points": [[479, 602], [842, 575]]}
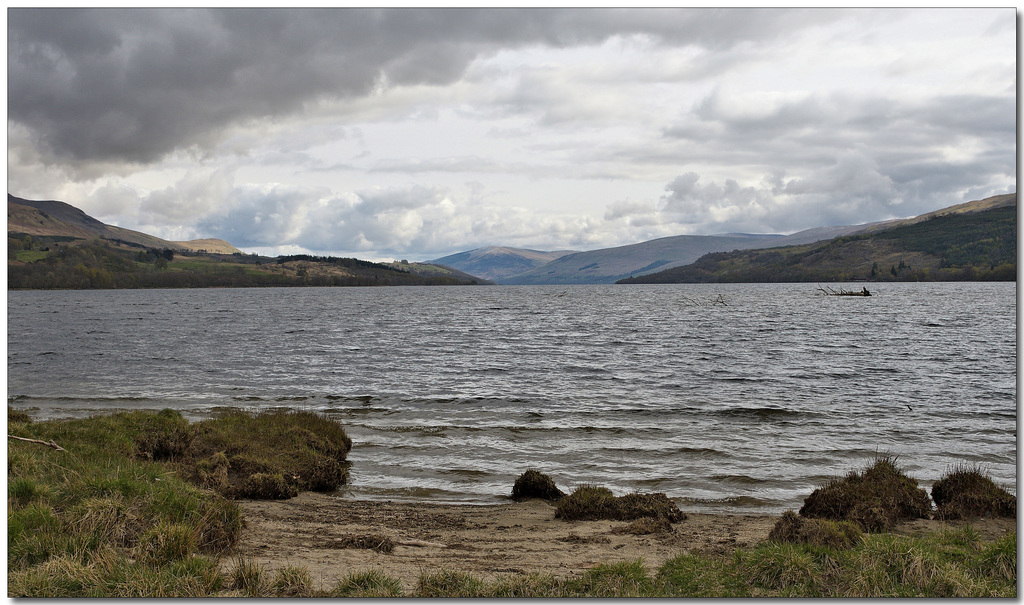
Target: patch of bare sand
{"points": [[317, 531], [320, 532]]}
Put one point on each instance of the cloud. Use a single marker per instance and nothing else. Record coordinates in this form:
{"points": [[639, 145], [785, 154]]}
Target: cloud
{"points": [[100, 85], [418, 132]]}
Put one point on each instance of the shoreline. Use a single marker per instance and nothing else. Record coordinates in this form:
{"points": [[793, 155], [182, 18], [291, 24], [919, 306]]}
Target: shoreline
{"points": [[334, 537]]}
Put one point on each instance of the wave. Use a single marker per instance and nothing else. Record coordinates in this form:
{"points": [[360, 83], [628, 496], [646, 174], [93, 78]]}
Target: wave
{"points": [[764, 413]]}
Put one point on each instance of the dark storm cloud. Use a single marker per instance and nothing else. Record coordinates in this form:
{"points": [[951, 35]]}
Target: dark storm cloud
{"points": [[131, 85]]}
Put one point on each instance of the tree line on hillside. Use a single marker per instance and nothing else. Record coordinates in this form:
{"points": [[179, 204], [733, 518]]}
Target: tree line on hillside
{"points": [[97, 265]]}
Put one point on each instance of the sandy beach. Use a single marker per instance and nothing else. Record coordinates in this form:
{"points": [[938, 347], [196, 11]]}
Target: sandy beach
{"points": [[319, 531], [333, 537]]}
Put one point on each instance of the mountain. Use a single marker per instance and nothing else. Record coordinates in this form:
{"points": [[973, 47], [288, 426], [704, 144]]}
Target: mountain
{"points": [[50, 218], [435, 270], [973, 241], [497, 263], [607, 265]]}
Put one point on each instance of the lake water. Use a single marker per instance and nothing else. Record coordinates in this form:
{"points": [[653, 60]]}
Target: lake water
{"points": [[450, 393]]}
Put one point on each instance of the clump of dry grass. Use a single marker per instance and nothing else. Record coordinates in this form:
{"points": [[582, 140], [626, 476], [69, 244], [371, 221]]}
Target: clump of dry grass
{"points": [[249, 578], [875, 499], [590, 502], [382, 544], [966, 492], [646, 526], [371, 584], [266, 486], [535, 484], [815, 532], [293, 581], [14, 415]]}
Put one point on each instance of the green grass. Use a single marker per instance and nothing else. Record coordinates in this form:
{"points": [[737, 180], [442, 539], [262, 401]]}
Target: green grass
{"points": [[31, 256], [953, 563], [135, 505], [99, 520]]}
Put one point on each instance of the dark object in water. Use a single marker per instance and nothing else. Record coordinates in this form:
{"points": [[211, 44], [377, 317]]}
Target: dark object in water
{"points": [[535, 484], [844, 292]]}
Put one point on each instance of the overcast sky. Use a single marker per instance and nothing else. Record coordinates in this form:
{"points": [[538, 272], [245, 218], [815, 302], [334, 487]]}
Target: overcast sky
{"points": [[418, 133]]}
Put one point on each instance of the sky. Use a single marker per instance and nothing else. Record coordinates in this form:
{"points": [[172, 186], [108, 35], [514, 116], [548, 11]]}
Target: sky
{"points": [[417, 133]]}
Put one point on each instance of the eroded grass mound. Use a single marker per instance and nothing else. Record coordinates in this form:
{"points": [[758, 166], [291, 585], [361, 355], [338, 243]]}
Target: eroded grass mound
{"points": [[815, 532], [269, 455], [966, 492], [535, 484], [875, 499], [590, 502]]}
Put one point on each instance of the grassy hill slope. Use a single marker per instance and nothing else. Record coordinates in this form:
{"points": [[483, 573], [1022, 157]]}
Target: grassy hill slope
{"points": [[51, 218], [946, 245], [53, 245]]}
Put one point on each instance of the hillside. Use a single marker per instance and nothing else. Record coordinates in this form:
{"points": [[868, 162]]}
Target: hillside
{"points": [[972, 241], [608, 265], [499, 263], [434, 270], [51, 218], [53, 245]]}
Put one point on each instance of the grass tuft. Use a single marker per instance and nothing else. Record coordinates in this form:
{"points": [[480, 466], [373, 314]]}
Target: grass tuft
{"points": [[292, 581], [535, 484], [875, 499], [371, 584], [622, 579], [305, 450], [589, 502], [966, 492], [17, 416], [815, 532], [449, 584], [249, 578]]}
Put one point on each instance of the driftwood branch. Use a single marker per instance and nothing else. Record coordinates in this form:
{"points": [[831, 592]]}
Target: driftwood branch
{"points": [[40, 442], [703, 303]]}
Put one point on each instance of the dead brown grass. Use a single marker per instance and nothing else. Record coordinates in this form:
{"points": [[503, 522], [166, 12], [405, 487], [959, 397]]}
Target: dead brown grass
{"points": [[535, 484], [875, 499], [815, 532], [589, 502], [966, 492]]}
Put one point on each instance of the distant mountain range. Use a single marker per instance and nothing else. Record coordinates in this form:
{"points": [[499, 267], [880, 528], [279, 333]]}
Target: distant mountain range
{"points": [[498, 263], [514, 266], [609, 265], [672, 258], [60, 219]]}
